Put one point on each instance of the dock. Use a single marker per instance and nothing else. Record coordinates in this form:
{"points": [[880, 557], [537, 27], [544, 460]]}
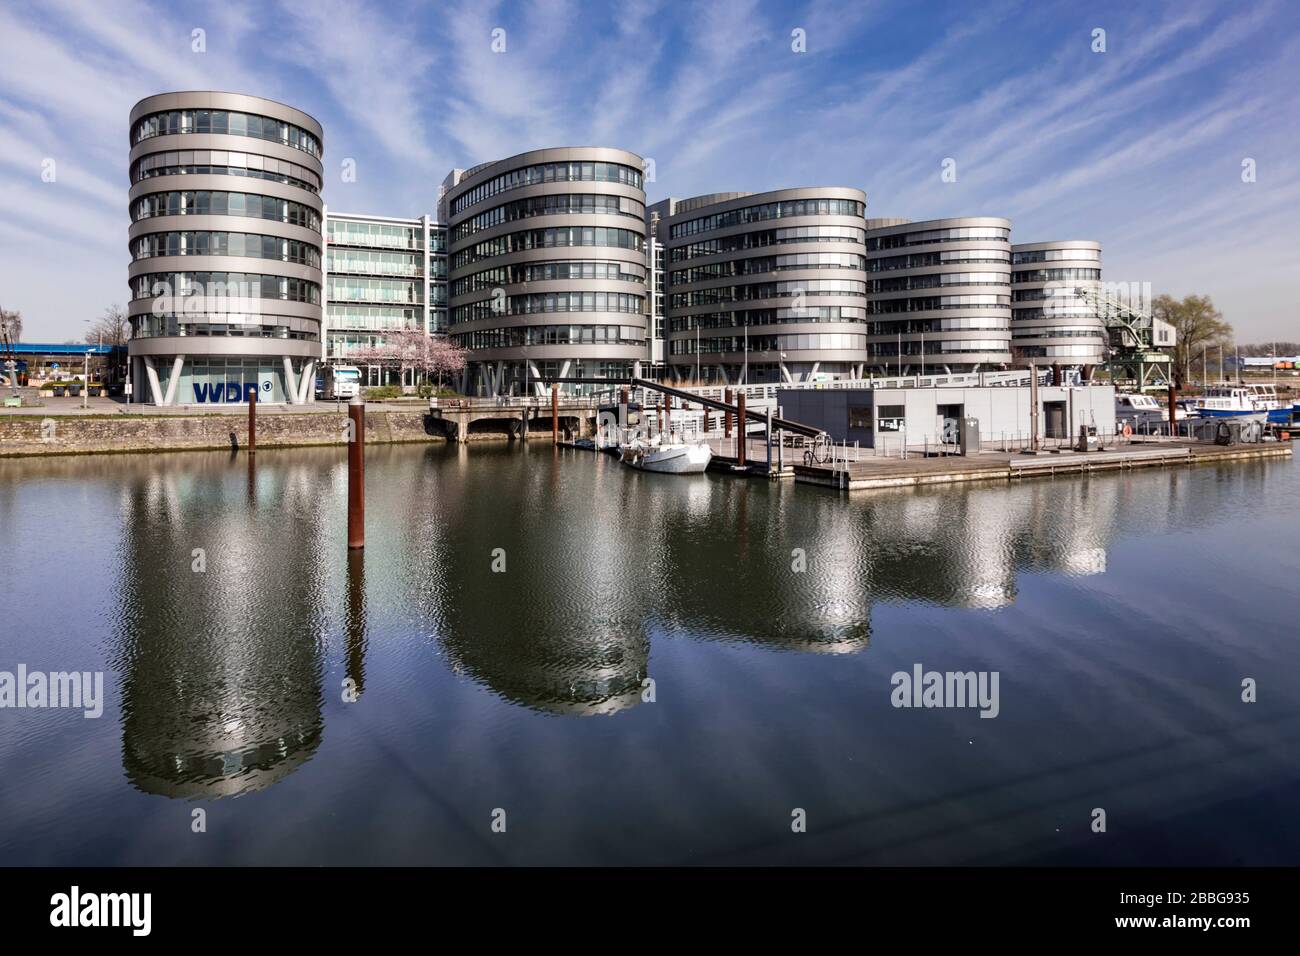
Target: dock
{"points": [[918, 470]]}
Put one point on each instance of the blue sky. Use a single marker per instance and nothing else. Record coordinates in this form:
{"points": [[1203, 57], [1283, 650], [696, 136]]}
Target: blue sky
{"points": [[1140, 147]]}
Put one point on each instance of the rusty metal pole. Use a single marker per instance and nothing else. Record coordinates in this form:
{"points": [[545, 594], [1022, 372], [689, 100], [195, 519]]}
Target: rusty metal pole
{"points": [[624, 399], [357, 473], [1173, 409], [555, 413], [252, 421], [740, 417], [726, 419]]}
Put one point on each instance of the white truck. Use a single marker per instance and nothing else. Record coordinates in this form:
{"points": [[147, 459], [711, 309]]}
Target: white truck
{"points": [[340, 382]]}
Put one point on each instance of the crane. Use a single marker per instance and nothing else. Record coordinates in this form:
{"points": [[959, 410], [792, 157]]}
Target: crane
{"points": [[1138, 341]]}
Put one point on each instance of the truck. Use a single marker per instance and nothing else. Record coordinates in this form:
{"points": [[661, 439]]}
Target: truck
{"points": [[340, 382]]}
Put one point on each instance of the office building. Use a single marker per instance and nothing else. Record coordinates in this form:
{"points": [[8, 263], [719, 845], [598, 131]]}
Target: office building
{"points": [[225, 241]]}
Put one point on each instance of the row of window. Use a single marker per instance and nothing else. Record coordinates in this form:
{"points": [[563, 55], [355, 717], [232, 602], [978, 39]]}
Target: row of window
{"points": [[1058, 351], [204, 202], [810, 341], [940, 348], [379, 235], [372, 317], [766, 211], [768, 237], [556, 237], [1061, 334], [257, 327], [1055, 255], [555, 205], [226, 122], [220, 162], [980, 323], [937, 280], [919, 260], [1057, 312], [549, 173], [1055, 275], [751, 317], [550, 302], [927, 303], [767, 264], [355, 289], [224, 285], [547, 272], [523, 335], [766, 290], [903, 239], [366, 262], [226, 244]]}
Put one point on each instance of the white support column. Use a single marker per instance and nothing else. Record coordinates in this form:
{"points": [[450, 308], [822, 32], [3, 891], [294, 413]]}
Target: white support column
{"points": [[290, 381], [308, 380], [151, 373], [785, 373], [173, 383], [539, 387]]}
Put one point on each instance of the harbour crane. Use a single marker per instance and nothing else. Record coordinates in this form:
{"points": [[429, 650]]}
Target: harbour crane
{"points": [[1138, 342]]}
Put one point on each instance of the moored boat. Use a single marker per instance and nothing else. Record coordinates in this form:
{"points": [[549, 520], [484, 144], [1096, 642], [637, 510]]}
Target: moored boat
{"points": [[668, 458]]}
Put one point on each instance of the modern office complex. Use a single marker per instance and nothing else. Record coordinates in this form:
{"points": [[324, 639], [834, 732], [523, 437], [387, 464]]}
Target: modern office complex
{"points": [[1050, 322], [382, 275], [547, 267], [764, 287], [225, 243], [939, 296], [548, 264]]}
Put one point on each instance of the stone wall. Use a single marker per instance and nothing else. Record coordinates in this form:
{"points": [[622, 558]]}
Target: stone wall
{"points": [[75, 434]]}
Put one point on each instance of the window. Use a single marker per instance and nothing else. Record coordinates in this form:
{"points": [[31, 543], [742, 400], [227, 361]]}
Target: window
{"points": [[891, 418], [860, 416]]}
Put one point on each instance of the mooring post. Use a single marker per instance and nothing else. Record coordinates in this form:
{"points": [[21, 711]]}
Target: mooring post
{"points": [[357, 473], [555, 413], [726, 418], [252, 421], [1173, 408], [780, 451], [740, 416], [622, 414], [769, 441]]}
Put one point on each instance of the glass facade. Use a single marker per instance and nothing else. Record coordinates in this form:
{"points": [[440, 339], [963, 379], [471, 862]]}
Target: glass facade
{"points": [[220, 381]]}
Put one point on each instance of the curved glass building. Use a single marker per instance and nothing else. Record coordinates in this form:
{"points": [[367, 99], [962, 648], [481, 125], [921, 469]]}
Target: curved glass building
{"points": [[939, 295], [1049, 320], [225, 243], [765, 287], [547, 270]]}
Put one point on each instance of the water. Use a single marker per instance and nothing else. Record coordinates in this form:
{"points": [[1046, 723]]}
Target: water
{"points": [[1122, 613]]}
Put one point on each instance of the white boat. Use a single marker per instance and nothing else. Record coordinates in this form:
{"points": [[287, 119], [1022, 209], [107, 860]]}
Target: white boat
{"points": [[669, 458], [1243, 402], [1137, 408]]}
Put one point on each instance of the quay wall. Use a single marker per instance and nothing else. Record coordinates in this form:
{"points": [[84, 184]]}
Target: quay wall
{"points": [[108, 434]]}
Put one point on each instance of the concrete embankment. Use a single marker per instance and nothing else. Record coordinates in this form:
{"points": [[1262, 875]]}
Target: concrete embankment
{"points": [[123, 433]]}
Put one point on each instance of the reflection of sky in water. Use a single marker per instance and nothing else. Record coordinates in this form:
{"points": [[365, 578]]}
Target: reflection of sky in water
{"points": [[1121, 612]]}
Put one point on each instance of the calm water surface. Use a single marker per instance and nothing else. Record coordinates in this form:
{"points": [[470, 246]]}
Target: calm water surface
{"points": [[1121, 612]]}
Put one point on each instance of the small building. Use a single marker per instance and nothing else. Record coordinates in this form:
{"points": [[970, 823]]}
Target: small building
{"points": [[884, 417]]}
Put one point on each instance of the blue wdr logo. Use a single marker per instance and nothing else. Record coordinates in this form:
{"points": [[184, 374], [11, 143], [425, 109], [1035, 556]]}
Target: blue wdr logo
{"points": [[225, 392]]}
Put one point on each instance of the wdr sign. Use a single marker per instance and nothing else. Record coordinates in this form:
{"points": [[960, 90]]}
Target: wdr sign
{"points": [[207, 392]]}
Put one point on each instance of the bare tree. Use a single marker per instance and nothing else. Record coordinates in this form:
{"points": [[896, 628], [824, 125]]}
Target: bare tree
{"points": [[111, 328], [1199, 325], [11, 325]]}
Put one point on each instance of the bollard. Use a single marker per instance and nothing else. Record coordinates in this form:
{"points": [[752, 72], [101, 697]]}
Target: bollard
{"points": [[357, 473], [726, 418], [555, 414], [252, 421], [744, 434]]}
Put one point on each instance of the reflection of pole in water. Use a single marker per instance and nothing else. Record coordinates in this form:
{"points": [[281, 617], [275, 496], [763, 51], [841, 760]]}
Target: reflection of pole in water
{"points": [[355, 619]]}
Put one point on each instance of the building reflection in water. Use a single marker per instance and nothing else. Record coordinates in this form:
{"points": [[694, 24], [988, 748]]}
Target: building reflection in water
{"points": [[219, 655]]}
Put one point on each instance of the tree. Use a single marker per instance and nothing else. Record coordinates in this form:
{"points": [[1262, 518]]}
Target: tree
{"points": [[414, 350], [11, 325], [111, 328], [1198, 324]]}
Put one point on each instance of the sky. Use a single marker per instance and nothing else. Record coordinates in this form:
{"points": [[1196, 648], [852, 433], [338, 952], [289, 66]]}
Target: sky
{"points": [[1147, 146]]}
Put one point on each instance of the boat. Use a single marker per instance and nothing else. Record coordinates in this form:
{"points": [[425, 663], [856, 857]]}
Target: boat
{"points": [[1245, 402], [669, 458], [1139, 410]]}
